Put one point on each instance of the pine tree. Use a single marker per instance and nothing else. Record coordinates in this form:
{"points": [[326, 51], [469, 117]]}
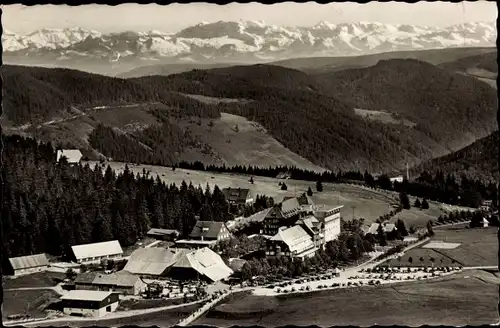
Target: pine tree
{"points": [[417, 203], [309, 192], [425, 204], [400, 225], [319, 186], [430, 231], [405, 201], [284, 186], [381, 235]]}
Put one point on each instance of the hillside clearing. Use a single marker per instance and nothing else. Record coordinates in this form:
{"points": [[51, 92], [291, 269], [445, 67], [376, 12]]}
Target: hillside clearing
{"points": [[238, 141], [216, 100], [381, 116]]}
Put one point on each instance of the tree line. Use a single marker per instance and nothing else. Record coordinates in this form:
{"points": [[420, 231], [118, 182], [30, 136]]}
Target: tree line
{"points": [[446, 189]]}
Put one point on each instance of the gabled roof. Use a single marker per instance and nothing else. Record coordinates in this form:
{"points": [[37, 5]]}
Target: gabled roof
{"points": [[206, 229], [152, 261], [387, 227], [236, 194], [85, 295], [295, 237], [120, 278], [287, 208], [310, 223], [29, 261], [85, 278], [290, 207], [162, 232], [206, 262], [97, 249], [72, 155]]}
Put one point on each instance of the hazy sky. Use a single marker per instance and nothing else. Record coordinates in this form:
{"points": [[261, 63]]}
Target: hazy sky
{"points": [[174, 17]]}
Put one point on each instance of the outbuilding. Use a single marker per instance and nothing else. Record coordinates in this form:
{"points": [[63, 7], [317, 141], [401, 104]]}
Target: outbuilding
{"points": [[121, 282], [96, 252], [27, 264], [163, 234], [89, 303]]}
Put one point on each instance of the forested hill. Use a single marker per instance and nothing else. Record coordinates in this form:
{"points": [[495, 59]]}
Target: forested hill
{"points": [[487, 61], [412, 109], [477, 161], [452, 109], [35, 94], [374, 118]]}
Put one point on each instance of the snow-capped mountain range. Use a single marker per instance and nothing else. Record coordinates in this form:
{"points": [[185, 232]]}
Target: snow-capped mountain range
{"points": [[242, 41]]}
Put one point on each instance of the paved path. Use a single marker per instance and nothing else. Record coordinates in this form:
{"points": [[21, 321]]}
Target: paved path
{"points": [[152, 244], [28, 288], [450, 224], [57, 288], [205, 308], [109, 316]]}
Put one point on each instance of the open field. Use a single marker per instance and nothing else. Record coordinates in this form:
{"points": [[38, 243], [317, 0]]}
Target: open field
{"points": [[383, 117], [466, 298], [420, 217], [39, 279], [31, 302], [478, 247], [248, 144], [368, 203]]}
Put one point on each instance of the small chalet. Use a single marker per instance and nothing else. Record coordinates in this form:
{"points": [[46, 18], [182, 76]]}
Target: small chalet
{"points": [[163, 234], [387, 227], [398, 178], [96, 252], [27, 264], [73, 156], [210, 231], [89, 303], [238, 196]]}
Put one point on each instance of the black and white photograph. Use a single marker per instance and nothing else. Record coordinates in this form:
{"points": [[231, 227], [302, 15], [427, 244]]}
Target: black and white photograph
{"points": [[250, 164]]}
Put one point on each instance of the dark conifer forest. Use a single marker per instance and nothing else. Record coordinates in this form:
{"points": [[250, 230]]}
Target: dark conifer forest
{"points": [[312, 115], [50, 207]]}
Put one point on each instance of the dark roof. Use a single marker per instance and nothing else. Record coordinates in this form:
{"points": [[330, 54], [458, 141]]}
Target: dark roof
{"points": [[85, 278], [156, 231], [29, 261], [206, 229], [236, 194], [120, 279]]}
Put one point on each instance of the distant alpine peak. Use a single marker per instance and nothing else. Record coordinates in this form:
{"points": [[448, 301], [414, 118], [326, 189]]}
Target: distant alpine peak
{"points": [[246, 40], [324, 25]]}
